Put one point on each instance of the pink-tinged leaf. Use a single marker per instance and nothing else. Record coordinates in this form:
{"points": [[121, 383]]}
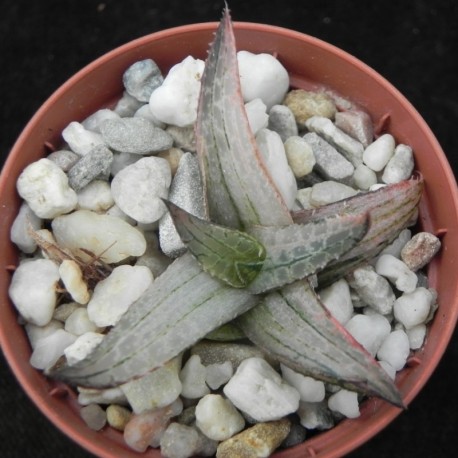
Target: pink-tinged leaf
{"points": [[391, 209], [294, 327], [239, 190], [299, 250]]}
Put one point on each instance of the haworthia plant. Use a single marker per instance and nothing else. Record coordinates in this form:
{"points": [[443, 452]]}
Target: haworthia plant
{"points": [[249, 220], [293, 252]]}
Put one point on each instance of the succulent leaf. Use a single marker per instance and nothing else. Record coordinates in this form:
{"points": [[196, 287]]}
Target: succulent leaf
{"points": [[232, 256], [293, 326], [180, 308], [239, 190], [299, 250], [391, 209]]}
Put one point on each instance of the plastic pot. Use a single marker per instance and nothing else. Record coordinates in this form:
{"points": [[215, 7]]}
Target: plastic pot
{"points": [[307, 60]]}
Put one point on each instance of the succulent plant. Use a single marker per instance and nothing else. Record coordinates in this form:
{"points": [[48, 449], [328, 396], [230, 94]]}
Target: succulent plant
{"points": [[252, 261]]}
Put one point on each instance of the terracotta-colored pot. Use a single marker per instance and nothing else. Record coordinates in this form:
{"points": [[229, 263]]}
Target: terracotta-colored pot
{"points": [[307, 59]]}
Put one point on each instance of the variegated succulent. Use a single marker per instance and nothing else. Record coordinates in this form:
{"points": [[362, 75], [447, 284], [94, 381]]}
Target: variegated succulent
{"points": [[251, 261]]}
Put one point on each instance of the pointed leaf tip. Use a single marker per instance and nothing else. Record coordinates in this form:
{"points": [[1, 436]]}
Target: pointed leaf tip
{"points": [[232, 256]]}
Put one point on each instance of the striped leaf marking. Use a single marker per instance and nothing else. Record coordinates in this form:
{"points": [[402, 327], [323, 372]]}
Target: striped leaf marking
{"points": [[238, 187], [293, 326]]}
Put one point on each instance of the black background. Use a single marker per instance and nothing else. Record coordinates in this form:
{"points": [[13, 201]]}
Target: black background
{"points": [[414, 44]]}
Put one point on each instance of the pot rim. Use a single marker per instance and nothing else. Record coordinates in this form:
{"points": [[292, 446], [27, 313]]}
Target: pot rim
{"points": [[341, 443]]}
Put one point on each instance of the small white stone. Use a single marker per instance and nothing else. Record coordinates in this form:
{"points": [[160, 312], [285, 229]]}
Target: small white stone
{"points": [[95, 120], [35, 333], [33, 290], [192, 377], [378, 153], [175, 101], [127, 105], [337, 300], [49, 349], [139, 187], [262, 76], [96, 196], [105, 396], [397, 272], [345, 402], [369, 330], [156, 389], [145, 112], [400, 166], [300, 156], [364, 177], [257, 116], [259, 391], [116, 212], [218, 374], [395, 349], [106, 236], [82, 347], [328, 192], [273, 152], [114, 295], [72, 278], [310, 390], [25, 221], [373, 289], [63, 311], [81, 140], [122, 160], [412, 309], [416, 335], [78, 323], [179, 441], [44, 186], [217, 417], [94, 416]]}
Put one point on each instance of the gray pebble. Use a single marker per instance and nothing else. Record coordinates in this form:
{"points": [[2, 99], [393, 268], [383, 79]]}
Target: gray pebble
{"points": [[330, 164], [127, 105], [94, 416], [65, 159], [186, 191], [135, 135], [297, 435], [141, 78], [352, 149], [94, 164], [315, 415], [282, 121]]}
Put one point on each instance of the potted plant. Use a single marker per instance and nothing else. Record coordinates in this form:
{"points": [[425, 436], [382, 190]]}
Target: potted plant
{"points": [[318, 62]]}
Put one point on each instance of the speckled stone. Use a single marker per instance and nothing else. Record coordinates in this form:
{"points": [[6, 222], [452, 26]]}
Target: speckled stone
{"points": [[95, 163], [305, 104], [135, 135], [259, 440], [141, 78], [418, 251]]}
